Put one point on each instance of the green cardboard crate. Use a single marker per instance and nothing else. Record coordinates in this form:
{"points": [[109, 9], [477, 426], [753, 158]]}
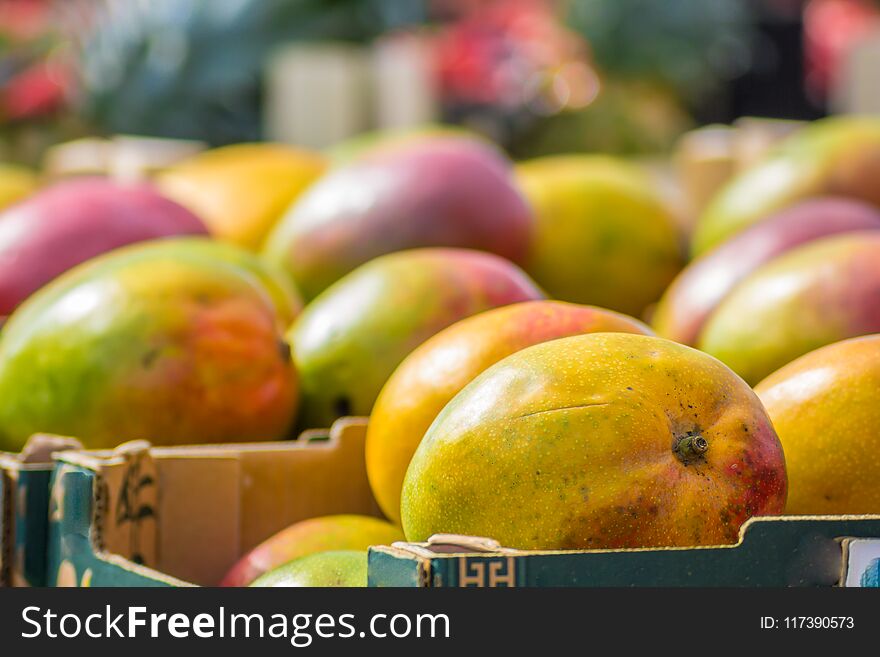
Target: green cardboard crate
{"points": [[24, 509], [772, 552], [182, 516]]}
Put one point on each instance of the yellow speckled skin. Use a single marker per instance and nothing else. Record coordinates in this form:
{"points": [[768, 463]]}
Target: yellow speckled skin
{"points": [[571, 444], [826, 408], [436, 372]]}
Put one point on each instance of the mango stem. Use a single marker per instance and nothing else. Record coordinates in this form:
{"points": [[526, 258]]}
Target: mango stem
{"points": [[691, 447]]}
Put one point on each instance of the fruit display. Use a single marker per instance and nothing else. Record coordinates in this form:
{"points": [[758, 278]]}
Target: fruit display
{"points": [[603, 234], [435, 372], [826, 408], [449, 192], [330, 533], [69, 222], [241, 190], [349, 340], [610, 440]]}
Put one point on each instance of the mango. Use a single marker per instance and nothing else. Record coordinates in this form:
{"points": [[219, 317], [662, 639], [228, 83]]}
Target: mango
{"points": [[72, 221], [835, 156], [160, 341], [241, 191], [603, 234], [437, 370], [826, 409], [349, 340], [16, 182], [342, 532], [819, 293], [450, 192], [339, 568], [370, 142], [609, 440], [697, 291]]}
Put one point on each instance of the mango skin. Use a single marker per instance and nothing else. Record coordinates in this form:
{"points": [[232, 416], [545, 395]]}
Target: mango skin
{"points": [[697, 291], [242, 190], [838, 156], [338, 568], [437, 371], [69, 222], [826, 409], [819, 293], [603, 235], [440, 192], [569, 444], [349, 340], [341, 532], [153, 341], [16, 182]]}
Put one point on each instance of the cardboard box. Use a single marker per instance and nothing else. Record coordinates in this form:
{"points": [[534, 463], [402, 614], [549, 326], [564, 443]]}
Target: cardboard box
{"points": [[784, 551], [24, 504], [181, 516]]}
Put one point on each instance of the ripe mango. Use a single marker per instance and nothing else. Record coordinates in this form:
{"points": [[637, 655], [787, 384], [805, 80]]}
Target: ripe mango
{"points": [[603, 234], [836, 156], [819, 293], [163, 341], [69, 222], [437, 370], [342, 532], [349, 340], [339, 568], [826, 408], [241, 191], [698, 290], [609, 440], [450, 192]]}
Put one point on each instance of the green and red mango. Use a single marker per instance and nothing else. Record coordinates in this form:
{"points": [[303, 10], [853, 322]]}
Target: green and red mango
{"points": [[162, 341]]}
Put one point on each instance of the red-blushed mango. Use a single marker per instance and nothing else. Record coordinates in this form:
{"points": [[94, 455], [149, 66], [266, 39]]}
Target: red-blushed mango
{"points": [[838, 156], [16, 182], [449, 192], [437, 370], [154, 341], [72, 221], [819, 293], [826, 409], [349, 340], [242, 190], [610, 440], [341, 532], [696, 292], [336, 568], [603, 234]]}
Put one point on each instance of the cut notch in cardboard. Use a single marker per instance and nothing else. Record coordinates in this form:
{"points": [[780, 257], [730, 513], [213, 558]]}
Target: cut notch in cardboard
{"points": [[189, 513]]}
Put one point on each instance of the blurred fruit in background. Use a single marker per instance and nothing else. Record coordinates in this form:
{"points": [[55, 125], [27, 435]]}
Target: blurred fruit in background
{"points": [[242, 190], [603, 235], [341, 532], [696, 293], [610, 440], [430, 191], [438, 369], [164, 341], [816, 294], [835, 156], [16, 182], [349, 340], [826, 408], [69, 222]]}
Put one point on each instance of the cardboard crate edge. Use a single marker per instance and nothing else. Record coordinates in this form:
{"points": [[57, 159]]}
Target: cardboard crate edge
{"points": [[779, 551]]}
